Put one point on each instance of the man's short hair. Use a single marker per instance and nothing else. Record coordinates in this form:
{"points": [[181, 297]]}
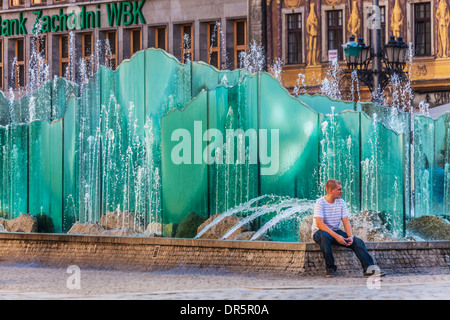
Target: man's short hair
{"points": [[332, 184]]}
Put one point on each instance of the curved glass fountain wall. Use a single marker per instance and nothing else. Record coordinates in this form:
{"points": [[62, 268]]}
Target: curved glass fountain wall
{"points": [[73, 153]]}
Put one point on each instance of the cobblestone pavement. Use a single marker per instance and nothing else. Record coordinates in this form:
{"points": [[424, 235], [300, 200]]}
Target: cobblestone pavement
{"points": [[35, 282]]}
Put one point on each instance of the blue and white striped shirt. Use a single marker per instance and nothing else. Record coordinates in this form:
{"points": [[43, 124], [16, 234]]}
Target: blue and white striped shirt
{"points": [[332, 213]]}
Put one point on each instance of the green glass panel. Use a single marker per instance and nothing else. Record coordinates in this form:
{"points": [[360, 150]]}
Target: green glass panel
{"points": [[289, 129], [207, 77], [168, 83], [233, 170], [325, 105], [39, 168], [45, 173], [392, 118], [339, 155], [382, 172], [15, 165], [4, 172], [61, 93], [122, 132], [88, 146], [297, 164], [431, 158], [4, 110], [70, 158], [184, 173], [56, 174], [441, 170]]}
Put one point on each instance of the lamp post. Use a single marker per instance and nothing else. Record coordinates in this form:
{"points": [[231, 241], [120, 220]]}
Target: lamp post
{"points": [[385, 62]]}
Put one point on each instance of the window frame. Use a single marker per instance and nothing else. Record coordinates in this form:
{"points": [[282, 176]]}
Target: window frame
{"points": [[337, 30], [157, 29], [242, 47], [63, 60], [40, 3], [187, 51], [294, 31], [36, 42], [210, 49], [132, 52], [111, 56], [19, 5], [428, 48], [20, 63], [87, 59]]}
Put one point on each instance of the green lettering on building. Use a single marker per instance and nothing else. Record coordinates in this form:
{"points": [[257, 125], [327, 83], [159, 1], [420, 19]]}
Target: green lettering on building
{"points": [[125, 13], [13, 27]]}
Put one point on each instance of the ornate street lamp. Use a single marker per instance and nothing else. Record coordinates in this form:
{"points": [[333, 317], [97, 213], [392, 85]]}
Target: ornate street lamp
{"points": [[385, 63]]}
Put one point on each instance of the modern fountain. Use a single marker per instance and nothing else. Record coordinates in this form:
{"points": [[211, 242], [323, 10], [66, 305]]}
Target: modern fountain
{"points": [[77, 151]]}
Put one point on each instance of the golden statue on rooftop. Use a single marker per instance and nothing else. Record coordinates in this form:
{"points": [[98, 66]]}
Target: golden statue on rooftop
{"points": [[312, 32], [354, 23], [397, 19], [443, 21]]}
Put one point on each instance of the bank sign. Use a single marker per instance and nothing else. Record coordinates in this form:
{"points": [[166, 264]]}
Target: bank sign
{"points": [[75, 18]]}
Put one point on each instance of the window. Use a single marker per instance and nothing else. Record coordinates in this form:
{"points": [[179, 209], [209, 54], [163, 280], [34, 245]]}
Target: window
{"points": [[136, 42], [240, 41], [38, 2], [214, 44], [111, 51], [335, 32], [1, 64], [88, 49], [422, 29], [161, 37], [17, 3], [39, 55], [187, 45], [64, 57], [383, 27], [294, 25], [19, 68]]}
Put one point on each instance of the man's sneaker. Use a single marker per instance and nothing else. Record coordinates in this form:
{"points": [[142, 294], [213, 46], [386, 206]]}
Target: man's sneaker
{"points": [[330, 274]]}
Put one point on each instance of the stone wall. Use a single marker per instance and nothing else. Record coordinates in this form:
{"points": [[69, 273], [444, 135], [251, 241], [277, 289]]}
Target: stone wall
{"points": [[236, 256]]}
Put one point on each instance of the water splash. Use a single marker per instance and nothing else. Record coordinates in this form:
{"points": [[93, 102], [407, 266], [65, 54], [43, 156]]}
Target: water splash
{"points": [[330, 84], [243, 207], [277, 68], [253, 60], [300, 210], [355, 91], [424, 108], [300, 84], [277, 207]]}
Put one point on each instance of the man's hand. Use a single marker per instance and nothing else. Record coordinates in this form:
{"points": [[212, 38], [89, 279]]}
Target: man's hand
{"points": [[349, 241], [340, 239]]}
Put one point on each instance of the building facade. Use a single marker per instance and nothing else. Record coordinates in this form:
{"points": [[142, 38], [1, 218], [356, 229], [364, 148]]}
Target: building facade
{"points": [[40, 39], [304, 34]]}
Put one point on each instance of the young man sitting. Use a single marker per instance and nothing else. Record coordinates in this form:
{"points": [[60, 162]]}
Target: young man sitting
{"points": [[328, 213]]}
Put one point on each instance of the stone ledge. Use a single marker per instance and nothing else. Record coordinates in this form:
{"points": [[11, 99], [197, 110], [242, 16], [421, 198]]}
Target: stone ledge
{"points": [[237, 256], [266, 245]]}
